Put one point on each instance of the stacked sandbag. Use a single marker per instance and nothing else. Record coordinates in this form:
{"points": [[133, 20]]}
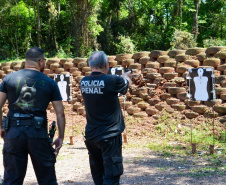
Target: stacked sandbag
{"points": [[158, 80]]}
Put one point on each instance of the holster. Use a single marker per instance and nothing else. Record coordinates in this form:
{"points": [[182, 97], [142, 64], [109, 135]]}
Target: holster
{"points": [[52, 131], [5, 123], [38, 121]]}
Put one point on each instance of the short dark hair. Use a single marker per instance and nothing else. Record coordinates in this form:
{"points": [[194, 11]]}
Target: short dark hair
{"points": [[34, 54], [98, 59]]}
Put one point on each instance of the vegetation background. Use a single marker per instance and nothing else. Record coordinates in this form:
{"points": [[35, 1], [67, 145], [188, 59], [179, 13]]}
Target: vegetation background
{"points": [[69, 28]]}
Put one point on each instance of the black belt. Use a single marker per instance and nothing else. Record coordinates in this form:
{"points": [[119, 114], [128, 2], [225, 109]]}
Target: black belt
{"points": [[20, 122], [16, 122]]}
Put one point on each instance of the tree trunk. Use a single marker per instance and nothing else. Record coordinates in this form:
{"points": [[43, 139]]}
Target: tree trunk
{"points": [[34, 12], [175, 13], [167, 16], [39, 25], [58, 7], [81, 10], [17, 52], [180, 12], [195, 19]]}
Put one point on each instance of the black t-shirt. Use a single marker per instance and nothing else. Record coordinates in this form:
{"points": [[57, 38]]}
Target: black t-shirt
{"points": [[103, 111], [29, 92]]}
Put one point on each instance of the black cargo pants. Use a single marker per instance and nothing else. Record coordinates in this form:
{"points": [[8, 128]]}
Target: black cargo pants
{"points": [[105, 159], [18, 143]]}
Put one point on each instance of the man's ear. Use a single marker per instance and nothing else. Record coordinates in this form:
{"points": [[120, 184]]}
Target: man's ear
{"points": [[106, 68], [40, 63], [107, 65]]}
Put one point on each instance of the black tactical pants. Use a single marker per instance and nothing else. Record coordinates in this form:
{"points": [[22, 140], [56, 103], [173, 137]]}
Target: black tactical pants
{"points": [[105, 159], [18, 143]]}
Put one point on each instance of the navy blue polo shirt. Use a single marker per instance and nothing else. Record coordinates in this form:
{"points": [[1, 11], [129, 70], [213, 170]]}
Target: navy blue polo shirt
{"points": [[103, 111]]}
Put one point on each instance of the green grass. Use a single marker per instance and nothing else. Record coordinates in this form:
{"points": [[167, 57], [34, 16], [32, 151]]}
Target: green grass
{"points": [[205, 171], [166, 149], [63, 157], [172, 135]]}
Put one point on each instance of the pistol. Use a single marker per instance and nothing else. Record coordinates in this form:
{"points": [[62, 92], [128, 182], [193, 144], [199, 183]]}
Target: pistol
{"points": [[52, 131]]}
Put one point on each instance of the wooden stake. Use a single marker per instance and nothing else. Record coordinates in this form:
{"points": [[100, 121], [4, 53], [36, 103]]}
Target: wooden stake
{"points": [[211, 149], [71, 140], [194, 146], [125, 138]]}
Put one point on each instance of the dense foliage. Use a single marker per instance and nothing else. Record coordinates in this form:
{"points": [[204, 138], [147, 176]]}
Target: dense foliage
{"points": [[75, 28]]}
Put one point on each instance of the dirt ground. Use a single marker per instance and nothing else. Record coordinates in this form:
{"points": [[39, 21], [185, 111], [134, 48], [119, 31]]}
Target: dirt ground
{"points": [[141, 166]]}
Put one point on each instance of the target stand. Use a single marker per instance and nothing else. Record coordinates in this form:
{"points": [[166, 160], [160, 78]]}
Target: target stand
{"points": [[201, 83]]}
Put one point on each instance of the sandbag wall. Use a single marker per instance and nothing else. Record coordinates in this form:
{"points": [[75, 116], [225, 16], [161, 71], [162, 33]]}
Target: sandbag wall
{"points": [[159, 80]]}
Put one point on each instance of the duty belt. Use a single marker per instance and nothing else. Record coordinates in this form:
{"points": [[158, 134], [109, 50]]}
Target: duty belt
{"points": [[20, 122], [26, 121]]}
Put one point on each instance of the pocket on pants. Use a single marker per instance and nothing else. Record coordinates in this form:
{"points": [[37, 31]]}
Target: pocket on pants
{"points": [[12, 134], [41, 149], [10, 145], [115, 168], [10, 139]]}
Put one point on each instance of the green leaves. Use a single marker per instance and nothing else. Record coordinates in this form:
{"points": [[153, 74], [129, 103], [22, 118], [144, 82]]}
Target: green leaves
{"points": [[125, 45], [81, 26], [202, 21], [19, 10]]}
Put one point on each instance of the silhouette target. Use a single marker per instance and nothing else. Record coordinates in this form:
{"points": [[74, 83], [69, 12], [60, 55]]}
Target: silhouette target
{"points": [[201, 84], [63, 82]]}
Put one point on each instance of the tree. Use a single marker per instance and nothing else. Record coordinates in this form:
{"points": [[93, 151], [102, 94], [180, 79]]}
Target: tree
{"points": [[75, 28], [83, 30], [195, 24]]}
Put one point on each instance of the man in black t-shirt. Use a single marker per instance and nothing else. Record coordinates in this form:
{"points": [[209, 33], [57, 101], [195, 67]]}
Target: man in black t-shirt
{"points": [[104, 120], [29, 92]]}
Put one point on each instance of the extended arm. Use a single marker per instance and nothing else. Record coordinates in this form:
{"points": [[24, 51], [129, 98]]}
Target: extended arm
{"points": [[59, 109], [127, 76], [2, 102]]}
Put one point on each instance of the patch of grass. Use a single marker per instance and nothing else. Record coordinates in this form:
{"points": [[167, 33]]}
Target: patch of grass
{"points": [[167, 154], [139, 157], [171, 128], [130, 120], [171, 134], [166, 148], [63, 157], [127, 161], [205, 171], [215, 161]]}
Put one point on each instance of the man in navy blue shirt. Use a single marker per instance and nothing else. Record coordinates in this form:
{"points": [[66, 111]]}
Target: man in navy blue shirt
{"points": [[29, 92], [105, 121]]}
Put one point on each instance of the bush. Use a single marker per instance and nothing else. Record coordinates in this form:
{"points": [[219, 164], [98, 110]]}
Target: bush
{"points": [[213, 42], [182, 40], [61, 54], [125, 45]]}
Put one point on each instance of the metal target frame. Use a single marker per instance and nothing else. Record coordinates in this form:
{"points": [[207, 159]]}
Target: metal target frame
{"points": [[210, 84]]}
